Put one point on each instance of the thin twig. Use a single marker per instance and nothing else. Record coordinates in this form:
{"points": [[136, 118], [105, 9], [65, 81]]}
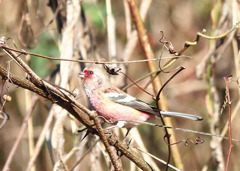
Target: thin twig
{"points": [[156, 158], [229, 121], [145, 44], [181, 129], [84, 155], [167, 135], [40, 141], [24, 52], [34, 77], [201, 34], [20, 134]]}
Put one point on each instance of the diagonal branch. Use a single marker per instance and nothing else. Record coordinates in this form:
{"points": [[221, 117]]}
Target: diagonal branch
{"points": [[80, 112]]}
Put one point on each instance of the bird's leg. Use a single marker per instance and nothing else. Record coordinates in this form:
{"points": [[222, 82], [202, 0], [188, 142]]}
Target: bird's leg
{"points": [[121, 124], [108, 130], [125, 137]]}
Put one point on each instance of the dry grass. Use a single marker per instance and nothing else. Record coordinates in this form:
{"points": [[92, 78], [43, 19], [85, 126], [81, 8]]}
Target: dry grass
{"points": [[199, 89]]}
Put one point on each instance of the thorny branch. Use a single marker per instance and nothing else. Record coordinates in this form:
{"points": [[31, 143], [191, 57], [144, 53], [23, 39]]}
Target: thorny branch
{"points": [[114, 158], [66, 101]]}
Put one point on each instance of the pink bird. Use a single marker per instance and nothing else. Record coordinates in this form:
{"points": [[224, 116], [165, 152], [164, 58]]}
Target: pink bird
{"points": [[115, 105]]}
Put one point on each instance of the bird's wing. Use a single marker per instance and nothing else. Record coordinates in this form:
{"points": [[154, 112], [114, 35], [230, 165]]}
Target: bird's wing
{"points": [[120, 97], [130, 101]]}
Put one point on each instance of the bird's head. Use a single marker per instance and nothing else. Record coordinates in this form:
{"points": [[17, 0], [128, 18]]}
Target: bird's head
{"points": [[94, 77]]}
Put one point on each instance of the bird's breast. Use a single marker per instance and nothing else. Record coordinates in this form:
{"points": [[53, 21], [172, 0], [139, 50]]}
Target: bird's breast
{"points": [[115, 111]]}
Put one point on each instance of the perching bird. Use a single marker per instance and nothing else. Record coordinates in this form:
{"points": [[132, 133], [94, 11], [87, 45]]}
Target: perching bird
{"points": [[115, 105]]}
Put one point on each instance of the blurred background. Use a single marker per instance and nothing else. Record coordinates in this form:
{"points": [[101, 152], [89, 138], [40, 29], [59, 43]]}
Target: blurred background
{"points": [[105, 30]]}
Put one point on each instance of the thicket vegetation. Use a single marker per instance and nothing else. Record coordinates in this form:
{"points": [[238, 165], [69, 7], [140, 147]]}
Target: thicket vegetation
{"points": [[44, 109]]}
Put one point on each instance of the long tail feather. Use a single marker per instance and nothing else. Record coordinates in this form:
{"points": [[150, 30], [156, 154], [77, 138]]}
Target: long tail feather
{"points": [[181, 115]]}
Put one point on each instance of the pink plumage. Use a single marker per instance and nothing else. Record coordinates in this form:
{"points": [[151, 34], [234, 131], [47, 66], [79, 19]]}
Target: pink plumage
{"points": [[115, 105]]}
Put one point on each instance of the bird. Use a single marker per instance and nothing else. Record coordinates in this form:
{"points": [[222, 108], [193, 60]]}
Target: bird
{"points": [[115, 105]]}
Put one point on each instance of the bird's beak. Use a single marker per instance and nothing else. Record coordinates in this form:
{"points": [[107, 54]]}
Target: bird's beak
{"points": [[81, 75]]}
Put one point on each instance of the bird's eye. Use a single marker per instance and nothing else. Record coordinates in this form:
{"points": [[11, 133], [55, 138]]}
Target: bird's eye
{"points": [[90, 72]]}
